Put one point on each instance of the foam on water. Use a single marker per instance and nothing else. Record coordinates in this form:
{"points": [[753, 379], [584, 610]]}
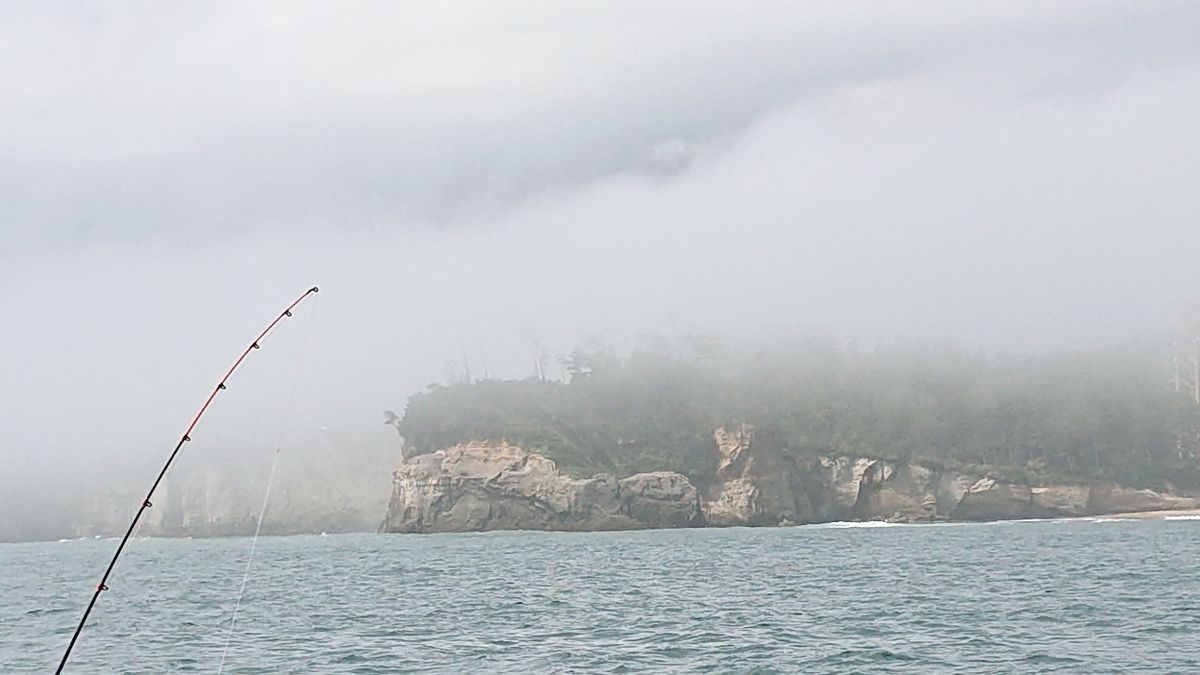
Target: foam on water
{"points": [[852, 525]]}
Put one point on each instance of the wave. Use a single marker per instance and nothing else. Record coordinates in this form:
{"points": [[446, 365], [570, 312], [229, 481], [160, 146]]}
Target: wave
{"points": [[855, 524], [1191, 517]]}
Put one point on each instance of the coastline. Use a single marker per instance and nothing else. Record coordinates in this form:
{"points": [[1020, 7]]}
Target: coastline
{"points": [[1181, 514]]}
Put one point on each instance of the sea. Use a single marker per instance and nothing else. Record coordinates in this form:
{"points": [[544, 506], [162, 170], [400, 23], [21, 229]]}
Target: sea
{"points": [[1089, 596]]}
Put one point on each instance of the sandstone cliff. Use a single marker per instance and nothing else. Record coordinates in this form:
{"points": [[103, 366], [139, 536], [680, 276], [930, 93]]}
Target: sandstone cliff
{"points": [[757, 485], [483, 486], [491, 486], [310, 495]]}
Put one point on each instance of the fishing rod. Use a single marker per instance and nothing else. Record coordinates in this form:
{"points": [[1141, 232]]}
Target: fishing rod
{"points": [[103, 585]]}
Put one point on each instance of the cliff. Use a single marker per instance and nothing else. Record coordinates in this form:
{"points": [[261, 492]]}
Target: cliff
{"points": [[499, 486], [311, 494]]}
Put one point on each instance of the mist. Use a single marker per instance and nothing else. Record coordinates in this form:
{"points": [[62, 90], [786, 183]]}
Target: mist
{"points": [[469, 186]]}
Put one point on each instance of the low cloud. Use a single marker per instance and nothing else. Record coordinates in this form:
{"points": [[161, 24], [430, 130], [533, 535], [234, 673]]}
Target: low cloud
{"points": [[488, 184]]}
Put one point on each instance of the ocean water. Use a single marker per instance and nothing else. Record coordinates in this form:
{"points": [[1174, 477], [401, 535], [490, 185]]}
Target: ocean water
{"points": [[1094, 596]]}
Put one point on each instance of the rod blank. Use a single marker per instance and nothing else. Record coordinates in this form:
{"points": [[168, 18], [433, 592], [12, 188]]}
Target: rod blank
{"points": [[103, 585]]}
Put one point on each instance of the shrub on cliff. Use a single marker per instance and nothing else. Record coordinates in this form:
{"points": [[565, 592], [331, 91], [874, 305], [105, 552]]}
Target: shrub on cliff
{"points": [[1074, 416]]}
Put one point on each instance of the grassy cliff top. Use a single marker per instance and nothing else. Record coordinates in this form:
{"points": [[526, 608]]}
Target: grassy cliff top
{"points": [[1097, 415]]}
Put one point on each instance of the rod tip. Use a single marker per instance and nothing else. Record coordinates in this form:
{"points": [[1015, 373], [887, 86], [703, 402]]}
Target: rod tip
{"points": [[314, 289]]}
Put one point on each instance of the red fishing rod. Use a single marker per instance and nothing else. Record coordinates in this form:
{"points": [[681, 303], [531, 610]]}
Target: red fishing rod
{"points": [[103, 585]]}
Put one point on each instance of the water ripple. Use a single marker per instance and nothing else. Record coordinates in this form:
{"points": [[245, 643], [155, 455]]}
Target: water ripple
{"points": [[1007, 597]]}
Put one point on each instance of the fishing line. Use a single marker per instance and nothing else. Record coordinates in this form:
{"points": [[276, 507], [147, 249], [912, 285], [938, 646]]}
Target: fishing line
{"points": [[289, 410], [185, 438]]}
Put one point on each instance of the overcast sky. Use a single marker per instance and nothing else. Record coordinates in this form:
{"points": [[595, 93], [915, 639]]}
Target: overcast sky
{"points": [[476, 176]]}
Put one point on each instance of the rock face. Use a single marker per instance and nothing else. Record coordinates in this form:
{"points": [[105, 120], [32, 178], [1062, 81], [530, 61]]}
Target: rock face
{"points": [[756, 484], [988, 499], [498, 486], [1065, 500], [753, 487], [908, 492], [206, 501], [1116, 499], [485, 486]]}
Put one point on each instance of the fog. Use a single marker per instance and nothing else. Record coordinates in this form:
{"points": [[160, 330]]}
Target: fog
{"points": [[475, 184]]}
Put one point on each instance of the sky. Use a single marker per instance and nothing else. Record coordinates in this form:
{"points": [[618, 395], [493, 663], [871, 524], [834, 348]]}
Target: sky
{"points": [[481, 180]]}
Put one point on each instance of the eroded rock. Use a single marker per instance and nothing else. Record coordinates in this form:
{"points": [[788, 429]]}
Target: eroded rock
{"points": [[498, 486], [756, 484], [491, 486], [1106, 499], [989, 499]]}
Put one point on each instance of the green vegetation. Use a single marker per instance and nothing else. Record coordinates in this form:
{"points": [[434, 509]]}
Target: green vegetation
{"points": [[1106, 414]]}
